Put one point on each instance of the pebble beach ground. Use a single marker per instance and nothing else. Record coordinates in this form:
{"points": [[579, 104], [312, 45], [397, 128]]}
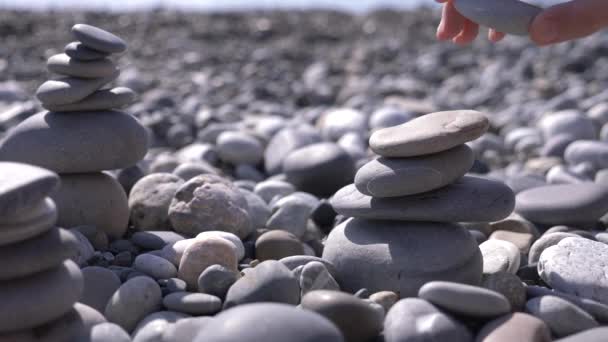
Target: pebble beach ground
{"points": [[298, 176]]}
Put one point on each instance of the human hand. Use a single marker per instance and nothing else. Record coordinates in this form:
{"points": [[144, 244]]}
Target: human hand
{"points": [[566, 21]]}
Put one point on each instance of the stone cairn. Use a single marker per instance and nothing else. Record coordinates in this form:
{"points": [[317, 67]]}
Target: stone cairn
{"points": [[39, 285], [406, 206], [82, 134]]}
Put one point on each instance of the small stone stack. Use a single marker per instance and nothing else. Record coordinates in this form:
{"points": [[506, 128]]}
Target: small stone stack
{"points": [[81, 135], [407, 204], [38, 284]]}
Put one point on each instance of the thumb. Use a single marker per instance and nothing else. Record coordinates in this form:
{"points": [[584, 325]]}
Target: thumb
{"points": [[571, 20]]}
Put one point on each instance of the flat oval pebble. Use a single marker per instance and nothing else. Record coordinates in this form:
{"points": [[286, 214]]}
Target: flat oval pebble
{"points": [[514, 327], [588, 151], [23, 186], [198, 304], [40, 298], [263, 322], [357, 320], [429, 133], [562, 317], [500, 256], [596, 309], [79, 51], [216, 280], [38, 220], [466, 300], [134, 300], [415, 319], [23, 258], [392, 177], [154, 266], [507, 16], [98, 39], [83, 142], [239, 148], [576, 266], [99, 286], [68, 90], [573, 204], [470, 199], [202, 254], [286, 141], [401, 256], [103, 99], [65, 65], [277, 244]]}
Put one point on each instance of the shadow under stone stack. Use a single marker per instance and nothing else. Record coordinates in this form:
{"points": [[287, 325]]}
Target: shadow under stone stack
{"points": [[406, 205], [39, 285], [82, 133]]}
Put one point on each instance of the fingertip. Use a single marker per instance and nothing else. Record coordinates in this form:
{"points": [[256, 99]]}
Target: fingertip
{"points": [[543, 29]]}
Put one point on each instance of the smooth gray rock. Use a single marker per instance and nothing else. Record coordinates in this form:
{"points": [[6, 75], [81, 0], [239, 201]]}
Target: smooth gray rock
{"points": [[337, 122], [319, 169], [467, 300], [315, 276], [568, 204], [76, 143], [109, 332], [24, 225], [68, 90], [561, 316], [389, 116], [134, 300], [277, 244], [23, 186], [198, 304], [34, 300], [572, 123], [295, 261], [154, 240], [258, 209], [79, 51], [150, 199], [270, 281], [216, 280], [290, 214], [239, 148], [263, 322], [470, 199], [596, 309], [416, 320], [84, 249], [65, 65], [507, 16], [393, 177], [103, 99], [401, 256], [357, 320], [153, 326], [499, 256], [544, 242], [98, 39], [514, 327], [187, 171], [286, 141], [588, 151], [154, 266], [99, 286], [576, 266], [592, 335], [270, 189], [185, 330], [429, 133]]}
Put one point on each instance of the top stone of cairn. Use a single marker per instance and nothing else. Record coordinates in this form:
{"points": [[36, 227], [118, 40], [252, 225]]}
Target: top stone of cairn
{"points": [[429, 133], [98, 39]]}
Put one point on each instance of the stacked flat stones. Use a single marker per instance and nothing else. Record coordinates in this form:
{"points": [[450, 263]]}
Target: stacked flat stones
{"points": [[82, 134], [406, 204], [39, 285]]}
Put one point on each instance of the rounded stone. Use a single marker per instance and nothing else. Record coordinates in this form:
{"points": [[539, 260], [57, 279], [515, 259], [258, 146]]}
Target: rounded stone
{"points": [[269, 189], [185, 330], [591, 335], [568, 204], [470, 199], [107, 209], [587, 151], [24, 258], [65, 65], [209, 202], [77, 143], [239, 148], [216, 280], [154, 266], [68, 90], [415, 319], [154, 240], [187, 171], [544, 242], [23, 226], [152, 327], [562, 317], [40, 298], [401, 256], [202, 254], [286, 141], [99, 286], [568, 122], [103, 99], [429, 133], [514, 327], [150, 199], [319, 169], [109, 332], [499, 256], [357, 320], [198, 304], [386, 177], [79, 51], [235, 240], [98, 39], [466, 300], [509, 285], [277, 244], [134, 300], [23, 186], [263, 322]]}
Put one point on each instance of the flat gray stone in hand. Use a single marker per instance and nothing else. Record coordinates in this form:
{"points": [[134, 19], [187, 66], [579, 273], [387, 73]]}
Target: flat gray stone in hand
{"points": [[576, 266], [429, 133], [103, 99], [507, 16], [391, 177], [79, 51], [68, 90], [98, 39], [22, 186], [65, 65], [470, 199]]}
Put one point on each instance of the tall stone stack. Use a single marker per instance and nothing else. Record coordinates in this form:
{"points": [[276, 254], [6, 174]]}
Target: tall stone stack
{"points": [[38, 284], [406, 206], [82, 133]]}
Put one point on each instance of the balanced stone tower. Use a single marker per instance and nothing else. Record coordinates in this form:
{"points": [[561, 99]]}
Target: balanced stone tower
{"points": [[39, 285], [82, 134], [406, 206]]}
